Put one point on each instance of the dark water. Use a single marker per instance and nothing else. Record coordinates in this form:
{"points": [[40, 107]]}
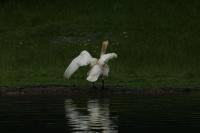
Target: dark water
{"points": [[118, 113]]}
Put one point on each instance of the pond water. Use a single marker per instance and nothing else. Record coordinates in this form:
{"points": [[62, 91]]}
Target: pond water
{"points": [[117, 113]]}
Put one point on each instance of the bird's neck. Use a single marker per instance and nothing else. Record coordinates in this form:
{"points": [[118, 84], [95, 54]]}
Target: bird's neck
{"points": [[104, 47]]}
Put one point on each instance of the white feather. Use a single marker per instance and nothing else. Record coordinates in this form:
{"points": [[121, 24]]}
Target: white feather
{"points": [[101, 68], [82, 60]]}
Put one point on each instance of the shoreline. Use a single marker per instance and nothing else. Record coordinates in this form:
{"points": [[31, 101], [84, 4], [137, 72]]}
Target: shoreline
{"points": [[74, 90]]}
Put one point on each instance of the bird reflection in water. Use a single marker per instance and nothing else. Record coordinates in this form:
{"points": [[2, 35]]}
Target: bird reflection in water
{"points": [[96, 119]]}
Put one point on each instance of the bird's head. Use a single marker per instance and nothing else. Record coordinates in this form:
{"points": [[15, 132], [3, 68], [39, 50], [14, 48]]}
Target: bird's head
{"points": [[93, 61], [105, 42]]}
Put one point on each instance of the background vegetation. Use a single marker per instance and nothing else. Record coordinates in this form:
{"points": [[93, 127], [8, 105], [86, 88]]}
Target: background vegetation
{"points": [[157, 42]]}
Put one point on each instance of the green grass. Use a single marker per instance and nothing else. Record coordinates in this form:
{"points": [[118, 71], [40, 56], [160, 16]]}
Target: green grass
{"points": [[157, 42]]}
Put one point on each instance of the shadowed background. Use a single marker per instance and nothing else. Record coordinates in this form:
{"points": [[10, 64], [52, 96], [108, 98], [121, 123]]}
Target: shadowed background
{"points": [[157, 42]]}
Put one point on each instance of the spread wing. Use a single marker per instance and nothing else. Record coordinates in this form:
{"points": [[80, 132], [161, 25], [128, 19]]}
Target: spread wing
{"points": [[106, 57], [94, 73], [82, 60]]}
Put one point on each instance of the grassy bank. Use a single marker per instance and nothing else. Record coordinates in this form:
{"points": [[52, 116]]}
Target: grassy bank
{"points": [[157, 42]]}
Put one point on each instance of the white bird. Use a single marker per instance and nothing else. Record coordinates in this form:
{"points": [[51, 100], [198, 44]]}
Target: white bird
{"points": [[99, 67]]}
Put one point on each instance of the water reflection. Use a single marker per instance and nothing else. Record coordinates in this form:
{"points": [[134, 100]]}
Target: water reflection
{"points": [[94, 116]]}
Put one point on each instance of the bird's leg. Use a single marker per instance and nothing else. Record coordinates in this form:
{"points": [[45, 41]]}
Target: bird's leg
{"points": [[93, 86], [102, 80]]}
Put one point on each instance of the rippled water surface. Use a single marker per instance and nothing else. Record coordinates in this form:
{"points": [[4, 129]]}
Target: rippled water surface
{"points": [[117, 113]]}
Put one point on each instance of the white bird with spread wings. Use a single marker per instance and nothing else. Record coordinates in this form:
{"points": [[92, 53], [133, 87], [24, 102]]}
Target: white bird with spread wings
{"points": [[99, 67]]}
